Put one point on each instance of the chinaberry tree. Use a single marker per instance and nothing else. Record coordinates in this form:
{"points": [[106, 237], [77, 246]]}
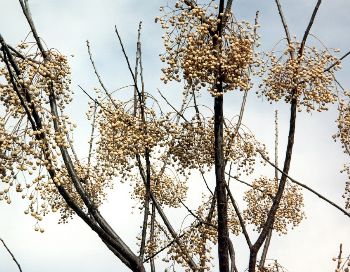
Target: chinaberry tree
{"points": [[138, 142]]}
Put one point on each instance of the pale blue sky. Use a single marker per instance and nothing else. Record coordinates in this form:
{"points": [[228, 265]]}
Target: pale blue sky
{"points": [[65, 25]]}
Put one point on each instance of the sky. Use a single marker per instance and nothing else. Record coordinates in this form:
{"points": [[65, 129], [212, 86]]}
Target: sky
{"points": [[317, 159]]}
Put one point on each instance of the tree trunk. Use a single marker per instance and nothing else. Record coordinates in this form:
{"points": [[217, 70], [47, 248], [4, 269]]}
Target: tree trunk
{"points": [[220, 185]]}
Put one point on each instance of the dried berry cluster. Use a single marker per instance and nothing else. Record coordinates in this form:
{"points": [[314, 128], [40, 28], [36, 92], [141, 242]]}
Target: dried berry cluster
{"points": [[271, 266], [166, 189], [177, 147], [201, 235], [124, 136], [94, 179], [306, 75], [32, 134], [343, 135], [193, 146], [259, 201], [346, 194], [203, 49], [30, 141]]}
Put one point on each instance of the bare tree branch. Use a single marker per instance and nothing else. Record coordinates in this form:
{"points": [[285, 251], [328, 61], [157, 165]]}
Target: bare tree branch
{"points": [[219, 162], [228, 6], [337, 62], [200, 220], [272, 213], [284, 23], [146, 151], [37, 126], [196, 107], [268, 238], [13, 256], [249, 185], [98, 75], [117, 241], [205, 181], [92, 134], [137, 61], [128, 64], [175, 236], [17, 53], [308, 28], [240, 218], [9, 60], [28, 15], [153, 218], [170, 228], [164, 248], [108, 235], [232, 256], [178, 112], [339, 256], [305, 186]]}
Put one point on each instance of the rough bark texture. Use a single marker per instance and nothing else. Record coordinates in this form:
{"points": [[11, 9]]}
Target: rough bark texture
{"points": [[220, 186], [223, 234]]}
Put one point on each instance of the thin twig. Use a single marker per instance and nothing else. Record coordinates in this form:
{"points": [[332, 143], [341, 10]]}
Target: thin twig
{"points": [[129, 65], [339, 257], [205, 181], [71, 146], [337, 62], [13, 256], [92, 135], [249, 185], [153, 218], [98, 75], [304, 186], [269, 236], [200, 220], [137, 61], [95, 100], [178, 113]]}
